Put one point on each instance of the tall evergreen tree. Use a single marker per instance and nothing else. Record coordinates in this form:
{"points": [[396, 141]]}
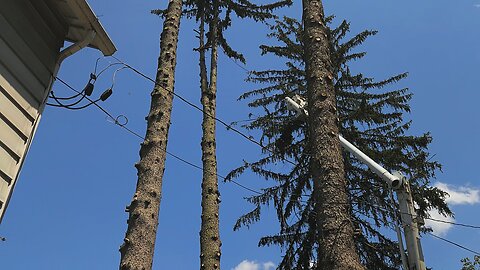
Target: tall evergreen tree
{"points": [[139, 243], [471, 265], [336, 249], [209, 13], [210, 242], [370, 118]]}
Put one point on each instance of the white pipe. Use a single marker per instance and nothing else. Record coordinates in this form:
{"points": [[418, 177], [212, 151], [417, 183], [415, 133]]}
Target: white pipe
{"points": [[72, 49], [392, 180], [397, 182], [292, 105]]}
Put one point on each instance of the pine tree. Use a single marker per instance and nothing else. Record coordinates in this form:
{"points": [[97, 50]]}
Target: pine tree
{"points": [[139, 243], [471, 265], [209, 13], [210, 242], [369, 117], [336, 249]]}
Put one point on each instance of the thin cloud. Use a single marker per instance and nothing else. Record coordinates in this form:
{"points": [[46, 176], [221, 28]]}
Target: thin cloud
{"points": [[438, 227], [269, 265], [459, 195], [477, 5], [252, 265], [456, 196]]}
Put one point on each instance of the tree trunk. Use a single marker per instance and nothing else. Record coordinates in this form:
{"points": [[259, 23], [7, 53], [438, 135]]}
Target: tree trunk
{"points": [[209, 233], [139, 243], [337, 250]]}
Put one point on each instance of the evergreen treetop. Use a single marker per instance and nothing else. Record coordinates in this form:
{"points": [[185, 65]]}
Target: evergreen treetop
{"points": [[221, 10], [369, 116]]}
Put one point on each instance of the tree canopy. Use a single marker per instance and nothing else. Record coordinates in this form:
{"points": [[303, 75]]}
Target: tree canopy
{"points": [[369, 116]]}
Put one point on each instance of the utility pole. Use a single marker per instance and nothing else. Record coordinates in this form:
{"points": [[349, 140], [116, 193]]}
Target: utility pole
{"points": [[399, 184]]}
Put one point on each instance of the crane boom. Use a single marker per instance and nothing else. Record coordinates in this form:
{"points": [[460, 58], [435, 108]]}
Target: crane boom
{"points": [[398, 183]]}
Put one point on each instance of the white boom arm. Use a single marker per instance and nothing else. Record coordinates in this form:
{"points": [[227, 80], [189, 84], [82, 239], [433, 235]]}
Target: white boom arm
{"points": [[393, 181], [398, 182], [297, 104]]}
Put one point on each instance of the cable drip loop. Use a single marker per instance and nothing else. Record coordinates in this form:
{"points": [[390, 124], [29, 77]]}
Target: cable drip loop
{"points": [[121, 120]]}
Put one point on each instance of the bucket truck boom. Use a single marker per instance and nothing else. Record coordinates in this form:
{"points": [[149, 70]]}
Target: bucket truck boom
{"points": [[413, 260]]}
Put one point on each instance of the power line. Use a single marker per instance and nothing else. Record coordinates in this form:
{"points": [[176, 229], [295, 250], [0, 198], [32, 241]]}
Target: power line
{"points": [[229, 127], [429, 218], [181, 159], [444, 239], [432, 219], [453, 243], [439, 237], [123, 126], [237, 64], [116, 121], [454, 223], [429, 233]]}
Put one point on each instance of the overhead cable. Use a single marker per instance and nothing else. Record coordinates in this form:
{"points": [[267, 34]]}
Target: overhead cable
{"points": [[229, 127], [117, 121], [453, 243]]}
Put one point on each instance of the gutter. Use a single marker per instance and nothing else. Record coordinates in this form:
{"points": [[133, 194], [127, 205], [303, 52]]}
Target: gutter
{"points": [[74, 48], [106, 45]]}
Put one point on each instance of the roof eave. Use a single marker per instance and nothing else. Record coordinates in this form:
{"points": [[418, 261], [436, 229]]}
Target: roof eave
{"points": [[104, 44]]}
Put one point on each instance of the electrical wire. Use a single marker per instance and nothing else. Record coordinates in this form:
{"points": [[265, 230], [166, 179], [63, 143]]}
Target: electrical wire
{"points": [[454, 223], [413, 215], [229, 127], [116, 121], [114, 78], [429, 218], [110, 64], [67, 106], [453, 243], [107, 67], [96, 64], [236, 63], [449, 241], [183, 160], [67, 98], [439, 237], [123, 126], [84, 106]]}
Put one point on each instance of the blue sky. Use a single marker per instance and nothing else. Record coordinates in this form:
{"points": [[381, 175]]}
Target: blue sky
{"points": [[67, 211]]}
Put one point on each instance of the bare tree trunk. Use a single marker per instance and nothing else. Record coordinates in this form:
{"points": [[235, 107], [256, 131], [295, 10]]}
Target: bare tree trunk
{"points": [[139, 243], [337, 250], [209, 233]]}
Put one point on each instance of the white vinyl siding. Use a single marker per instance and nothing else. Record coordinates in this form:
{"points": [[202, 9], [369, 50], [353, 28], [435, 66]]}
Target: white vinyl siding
{"points": [[31, 35]]}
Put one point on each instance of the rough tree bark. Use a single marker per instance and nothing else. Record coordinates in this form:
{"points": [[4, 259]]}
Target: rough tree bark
{"points": [[209, 233], [139, 243], [337, 249]]}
